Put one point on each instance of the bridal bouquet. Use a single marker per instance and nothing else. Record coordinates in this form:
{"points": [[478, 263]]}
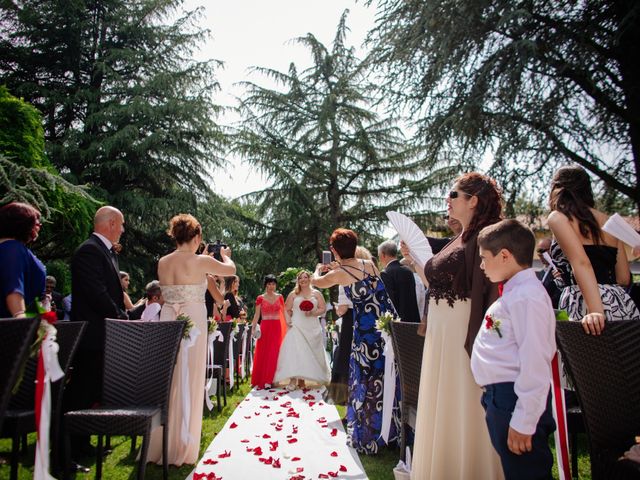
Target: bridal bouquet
{"points": [[383, 323], [188, 326], [306, 306]]}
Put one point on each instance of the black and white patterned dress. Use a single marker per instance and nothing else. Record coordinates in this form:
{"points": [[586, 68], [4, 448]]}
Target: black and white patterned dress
{"points": [[617, 304]]}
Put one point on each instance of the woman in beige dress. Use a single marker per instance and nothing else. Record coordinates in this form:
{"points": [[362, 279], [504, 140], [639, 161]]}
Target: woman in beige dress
{"points": [[452, 440], [183, 278]]}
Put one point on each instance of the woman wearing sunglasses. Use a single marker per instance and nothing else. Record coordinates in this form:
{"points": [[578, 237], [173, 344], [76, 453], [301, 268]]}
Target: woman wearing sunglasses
{"points": [[451, 439]]}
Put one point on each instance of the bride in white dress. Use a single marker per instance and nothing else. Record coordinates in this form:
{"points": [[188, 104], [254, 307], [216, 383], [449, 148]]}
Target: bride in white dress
{"points": [[183, 279], [302, 355]]}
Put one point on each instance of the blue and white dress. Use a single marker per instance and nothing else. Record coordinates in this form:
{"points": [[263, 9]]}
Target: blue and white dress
{"points": [[366, 366]]}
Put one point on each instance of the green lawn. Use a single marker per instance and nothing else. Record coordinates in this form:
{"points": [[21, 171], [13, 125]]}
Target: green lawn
{"points": [[119, 465]]}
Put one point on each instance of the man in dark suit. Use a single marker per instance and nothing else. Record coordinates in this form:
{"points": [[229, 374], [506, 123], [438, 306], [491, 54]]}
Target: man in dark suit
{"points": [[97, 294], [399, 283], [546, 275]]}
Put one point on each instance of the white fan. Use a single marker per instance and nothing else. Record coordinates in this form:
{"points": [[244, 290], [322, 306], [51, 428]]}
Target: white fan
{"points": [[411, 234]]}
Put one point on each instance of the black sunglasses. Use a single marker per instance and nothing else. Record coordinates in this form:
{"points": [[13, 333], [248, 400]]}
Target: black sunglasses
{"points": [[455, 194]]}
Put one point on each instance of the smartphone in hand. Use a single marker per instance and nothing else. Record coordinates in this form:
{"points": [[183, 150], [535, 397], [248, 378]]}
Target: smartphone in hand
{"points": [[326, 257]]}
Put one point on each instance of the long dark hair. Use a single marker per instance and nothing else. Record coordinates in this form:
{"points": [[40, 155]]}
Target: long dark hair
{"points": [[489, 207], [571, 195]]}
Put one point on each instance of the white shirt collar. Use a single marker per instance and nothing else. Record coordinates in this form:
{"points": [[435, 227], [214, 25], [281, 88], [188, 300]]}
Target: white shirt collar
{"points": [[522, 276], [104, 240]]}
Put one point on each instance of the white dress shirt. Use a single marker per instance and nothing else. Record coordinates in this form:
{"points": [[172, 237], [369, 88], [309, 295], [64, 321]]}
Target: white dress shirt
{"points": [[151, 312], [524, 352]]}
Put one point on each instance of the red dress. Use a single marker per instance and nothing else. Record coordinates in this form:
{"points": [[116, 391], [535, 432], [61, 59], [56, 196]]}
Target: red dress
{"points": [[272, 328]]}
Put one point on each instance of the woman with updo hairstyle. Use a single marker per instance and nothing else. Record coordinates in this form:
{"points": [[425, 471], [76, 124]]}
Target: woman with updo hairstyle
{"points": [[366, 291], [451, 437], [183, 280], [593, 264], [22, 276], [269, 334]]}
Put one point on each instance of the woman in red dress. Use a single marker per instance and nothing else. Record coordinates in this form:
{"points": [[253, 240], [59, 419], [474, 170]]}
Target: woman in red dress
{"points": [[270, 308]]}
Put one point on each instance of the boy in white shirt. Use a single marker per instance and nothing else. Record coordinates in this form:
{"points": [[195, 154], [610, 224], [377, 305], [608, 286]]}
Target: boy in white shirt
{"points": [[154, 302], [512, 354]]}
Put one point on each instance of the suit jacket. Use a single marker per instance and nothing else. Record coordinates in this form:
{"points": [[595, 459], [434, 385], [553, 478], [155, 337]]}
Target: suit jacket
{"points": [[550, 286], [401, 287], [96, 290]]}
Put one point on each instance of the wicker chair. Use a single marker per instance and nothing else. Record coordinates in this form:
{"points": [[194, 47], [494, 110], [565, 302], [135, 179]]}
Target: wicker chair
{"points": [[605, 371], [138, 368], [16, 335], [20, 418], [237, 351], [221, 359], [408, 346]]}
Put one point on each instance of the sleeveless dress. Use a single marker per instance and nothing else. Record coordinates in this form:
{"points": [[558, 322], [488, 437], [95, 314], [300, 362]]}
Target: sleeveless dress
{"points": [[272, 330], [185, 417], [451, 436], [302, 353], [366, 368], [617, 304]]}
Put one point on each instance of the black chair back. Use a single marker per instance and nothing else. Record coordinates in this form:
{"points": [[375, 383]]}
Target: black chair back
{"points": [[408, 347], [220, 355], [16, 336], [139, 362], [605, 371]]}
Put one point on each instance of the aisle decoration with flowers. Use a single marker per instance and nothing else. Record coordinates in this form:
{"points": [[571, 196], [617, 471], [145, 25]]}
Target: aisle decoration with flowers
{"points": [[48, 370], [383, 325], [560, 435]]}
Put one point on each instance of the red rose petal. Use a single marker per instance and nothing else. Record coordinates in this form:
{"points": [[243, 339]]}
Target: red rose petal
{"points": [[225, 454], [311, 404], [233, 425], [210, 461], [343, 468], [273, 446], [333, 474], [323, 475], [257, 451], [248, 417], [299, 469], [334, 454], [265, 406], [276, 463], [292, 440], [266, 435], [334, 432], [296, 459], [244, 440]]}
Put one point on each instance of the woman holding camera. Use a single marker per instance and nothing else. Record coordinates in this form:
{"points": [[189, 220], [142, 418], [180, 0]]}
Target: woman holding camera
{"points": [[183, 278], [269, 334]]}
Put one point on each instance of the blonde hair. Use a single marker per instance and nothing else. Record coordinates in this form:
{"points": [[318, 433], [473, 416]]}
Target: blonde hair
{"points": [[363, 253], [296, 290]]}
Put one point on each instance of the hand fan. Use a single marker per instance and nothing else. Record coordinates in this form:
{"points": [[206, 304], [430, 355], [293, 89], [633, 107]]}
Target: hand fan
{"points": [[411, 234]]}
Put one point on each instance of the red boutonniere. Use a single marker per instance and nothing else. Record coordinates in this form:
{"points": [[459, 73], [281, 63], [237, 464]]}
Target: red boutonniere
{"points": [[306, 306], [493, 324]]}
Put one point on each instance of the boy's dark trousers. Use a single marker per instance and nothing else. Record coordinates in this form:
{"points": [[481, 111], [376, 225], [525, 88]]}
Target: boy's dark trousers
{"points": [[499, 401]]}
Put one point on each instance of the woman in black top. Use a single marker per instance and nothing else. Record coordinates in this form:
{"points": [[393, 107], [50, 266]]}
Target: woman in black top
{"points": [[236, 305]]}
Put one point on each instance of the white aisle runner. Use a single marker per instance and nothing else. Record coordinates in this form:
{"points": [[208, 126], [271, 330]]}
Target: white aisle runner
{"points": [[276, 434]]}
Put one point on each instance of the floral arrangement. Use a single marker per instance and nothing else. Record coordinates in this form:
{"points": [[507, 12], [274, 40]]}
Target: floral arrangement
{"points": [[493, 324], [306, 305], [383, 323], [212, 325], [188, 326]]}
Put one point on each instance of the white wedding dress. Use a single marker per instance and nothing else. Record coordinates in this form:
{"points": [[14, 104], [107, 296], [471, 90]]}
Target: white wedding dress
{"points": [[302, 353]]}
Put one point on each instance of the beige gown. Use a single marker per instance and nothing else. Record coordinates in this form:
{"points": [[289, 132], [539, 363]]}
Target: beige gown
{"points": [[187, 300], [452, 440]]}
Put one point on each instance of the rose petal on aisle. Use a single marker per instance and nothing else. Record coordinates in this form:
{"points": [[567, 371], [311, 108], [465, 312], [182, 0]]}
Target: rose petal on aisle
{"points": [[319, 447]]}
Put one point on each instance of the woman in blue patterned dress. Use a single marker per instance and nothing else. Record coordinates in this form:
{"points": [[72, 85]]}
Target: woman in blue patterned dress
{"points": [[363, 286]]}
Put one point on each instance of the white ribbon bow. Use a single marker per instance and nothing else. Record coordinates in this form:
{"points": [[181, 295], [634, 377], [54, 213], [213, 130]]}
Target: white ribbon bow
{"points": [[185, 345], [217, 335], [52, 373], [389, 389]]}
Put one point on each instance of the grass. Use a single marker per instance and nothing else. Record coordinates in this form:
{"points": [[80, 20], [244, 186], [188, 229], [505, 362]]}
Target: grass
{"points": [[119, 465]]}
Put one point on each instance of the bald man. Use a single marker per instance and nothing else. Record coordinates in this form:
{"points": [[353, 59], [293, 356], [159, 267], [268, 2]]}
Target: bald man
{"points": [[97, 294]]}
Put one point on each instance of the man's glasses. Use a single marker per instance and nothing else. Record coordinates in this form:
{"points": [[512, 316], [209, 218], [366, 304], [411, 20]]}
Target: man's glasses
{"points": [[455, 194]]}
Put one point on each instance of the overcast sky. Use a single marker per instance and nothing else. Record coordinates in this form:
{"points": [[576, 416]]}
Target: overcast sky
{"points": [[246, 33]]}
